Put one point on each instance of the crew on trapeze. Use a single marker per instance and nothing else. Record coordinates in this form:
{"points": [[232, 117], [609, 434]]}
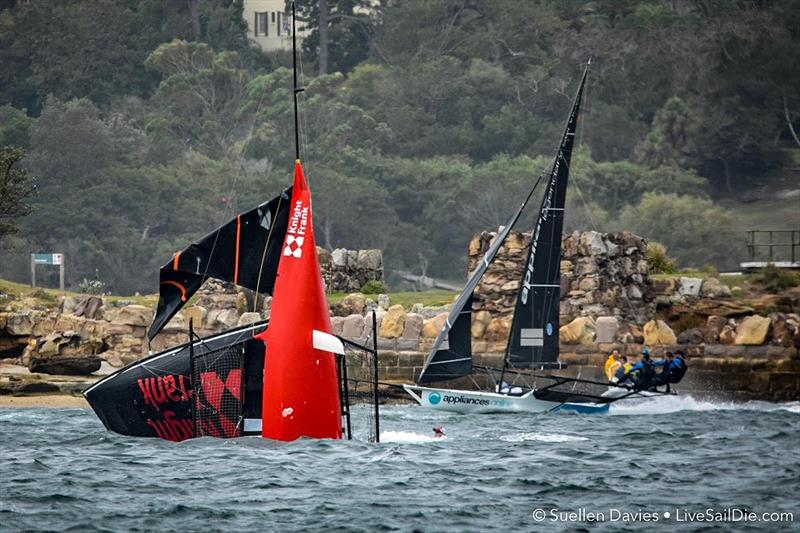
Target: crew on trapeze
{"points": [[643, 375]]}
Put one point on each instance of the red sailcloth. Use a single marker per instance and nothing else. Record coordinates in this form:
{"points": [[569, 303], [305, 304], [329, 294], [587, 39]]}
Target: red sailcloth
{"points": [[301, 383]]}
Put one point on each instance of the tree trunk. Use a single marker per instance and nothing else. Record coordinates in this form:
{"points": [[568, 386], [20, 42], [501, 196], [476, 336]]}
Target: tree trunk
{"points": [[789, 118], [323, 37], [194, 18]]}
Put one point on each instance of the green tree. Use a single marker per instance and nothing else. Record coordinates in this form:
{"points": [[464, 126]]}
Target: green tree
{"points": [[695, 230], [672, 138], [16, 189], [15, 126]]}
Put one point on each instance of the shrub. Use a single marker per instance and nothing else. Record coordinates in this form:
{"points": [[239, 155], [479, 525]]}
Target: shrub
{"points": [[775, 279], [373, 287], [658, 261]]}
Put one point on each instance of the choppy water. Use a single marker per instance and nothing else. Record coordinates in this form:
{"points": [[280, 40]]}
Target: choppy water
{"points": [[60, 470]]}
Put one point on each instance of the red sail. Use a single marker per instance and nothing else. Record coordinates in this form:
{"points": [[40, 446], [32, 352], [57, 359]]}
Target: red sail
{"points": [[301, 385]]}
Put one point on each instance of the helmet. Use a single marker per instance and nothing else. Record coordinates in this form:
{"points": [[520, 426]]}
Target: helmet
{"points": [[646, 351]]}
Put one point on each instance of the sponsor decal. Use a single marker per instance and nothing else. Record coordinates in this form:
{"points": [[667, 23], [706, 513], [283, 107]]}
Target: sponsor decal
{"points": [[295, 233], [434, 398], [466, 400], [549, 329]]}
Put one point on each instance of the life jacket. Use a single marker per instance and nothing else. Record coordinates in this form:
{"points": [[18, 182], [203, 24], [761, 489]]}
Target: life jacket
{"points": [[606, 368], [612, 369]]}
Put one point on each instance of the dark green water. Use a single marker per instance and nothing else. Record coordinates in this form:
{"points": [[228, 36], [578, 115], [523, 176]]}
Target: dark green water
{"points": [[62, 471]]}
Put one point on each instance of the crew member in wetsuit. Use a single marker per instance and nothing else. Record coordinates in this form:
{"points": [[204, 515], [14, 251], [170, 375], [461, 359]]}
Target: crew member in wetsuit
{"points": [[623, 369], [642, 373], [662, 378], [676, 369]]}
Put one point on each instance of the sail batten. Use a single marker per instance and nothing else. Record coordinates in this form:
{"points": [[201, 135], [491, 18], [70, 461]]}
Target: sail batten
{"points": [[539, 296]]}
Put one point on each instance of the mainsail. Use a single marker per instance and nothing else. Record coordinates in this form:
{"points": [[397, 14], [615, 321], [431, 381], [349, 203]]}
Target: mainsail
{"points": [[244, 251], [533, 340], [451, 355], [301, 383]]}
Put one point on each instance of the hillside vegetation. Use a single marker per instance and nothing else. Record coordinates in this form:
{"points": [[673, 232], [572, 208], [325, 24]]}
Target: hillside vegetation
{"points": [[147, 123]]}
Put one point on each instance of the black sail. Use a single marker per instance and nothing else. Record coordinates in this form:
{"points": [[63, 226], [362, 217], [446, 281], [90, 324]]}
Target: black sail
{"points": [[245, 251], [533, 340], [451, 355]]}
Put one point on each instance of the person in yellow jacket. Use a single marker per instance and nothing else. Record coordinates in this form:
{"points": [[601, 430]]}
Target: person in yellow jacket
{"points": [[613, 364]]}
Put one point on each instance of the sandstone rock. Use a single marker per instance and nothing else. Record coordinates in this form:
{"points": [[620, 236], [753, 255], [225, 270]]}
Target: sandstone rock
{"points": [[176, 324], [497, 330], [132, 315], [352, 304], [353, 326], [70, 366], [393, 322], [90, 307], [657, 332], [324, 257], [248, 318], [337, 325], [19, 324], [692, 336], [728, 335], [630, 334], [591, 243], [588, 284], [339, 257], [714, 288], [196, 314], [383, 301], [753, 330], [370, 259], [785, 329], [690, 286], [607, 328], [480, 321], [566, 266], [226, 318], [720, 308], [412, 327], [714, 325], [579, 331], [68, 304], [370, 305], [432, 327]]}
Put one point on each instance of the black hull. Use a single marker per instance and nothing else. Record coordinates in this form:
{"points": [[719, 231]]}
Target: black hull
{"points": [[212, 387]]}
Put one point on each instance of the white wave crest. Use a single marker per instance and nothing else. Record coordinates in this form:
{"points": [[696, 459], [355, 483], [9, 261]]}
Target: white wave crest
{"points": [[407, 437], [542, 437], [672, 404]]}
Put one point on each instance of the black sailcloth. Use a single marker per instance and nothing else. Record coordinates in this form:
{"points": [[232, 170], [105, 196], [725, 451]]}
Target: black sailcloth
{"points": [[451, 355], [533, 339], [245, 251]]}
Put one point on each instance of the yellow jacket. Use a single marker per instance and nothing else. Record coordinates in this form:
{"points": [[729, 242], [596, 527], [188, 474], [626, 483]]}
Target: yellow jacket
{"points": [[611, 367]]}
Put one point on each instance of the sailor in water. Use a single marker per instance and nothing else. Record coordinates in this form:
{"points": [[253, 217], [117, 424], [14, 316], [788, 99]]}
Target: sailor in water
{"points": [[439, 432]]}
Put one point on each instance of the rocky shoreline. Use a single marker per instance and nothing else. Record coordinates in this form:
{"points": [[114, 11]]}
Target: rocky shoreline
{"points": [[745, 346]]}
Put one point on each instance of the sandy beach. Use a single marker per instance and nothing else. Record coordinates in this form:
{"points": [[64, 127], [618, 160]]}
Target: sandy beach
{"points": [[45, 400]]}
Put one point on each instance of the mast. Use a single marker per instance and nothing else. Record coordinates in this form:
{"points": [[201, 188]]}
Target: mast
{"points": [[533, 339], [296, 90]]}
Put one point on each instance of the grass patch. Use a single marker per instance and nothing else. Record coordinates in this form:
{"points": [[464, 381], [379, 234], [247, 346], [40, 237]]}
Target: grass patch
{"points": [[44, 297], [434, 298]]}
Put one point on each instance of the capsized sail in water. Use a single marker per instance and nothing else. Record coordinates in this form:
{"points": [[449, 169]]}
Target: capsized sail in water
{"points": [[533, 341], [281, 379]]}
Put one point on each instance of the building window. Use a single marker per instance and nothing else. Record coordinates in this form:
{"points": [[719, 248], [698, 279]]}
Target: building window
{"points": [[279, 23], [261, 24], [285, 26]]}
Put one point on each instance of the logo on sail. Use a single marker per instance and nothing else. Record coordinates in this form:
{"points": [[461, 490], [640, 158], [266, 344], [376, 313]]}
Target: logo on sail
{"points": [[296, 231], [294, 246]]}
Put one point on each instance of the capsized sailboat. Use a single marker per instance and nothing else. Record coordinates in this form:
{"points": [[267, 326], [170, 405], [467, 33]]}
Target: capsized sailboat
{"points": [[533, 342], [283, 379]]}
